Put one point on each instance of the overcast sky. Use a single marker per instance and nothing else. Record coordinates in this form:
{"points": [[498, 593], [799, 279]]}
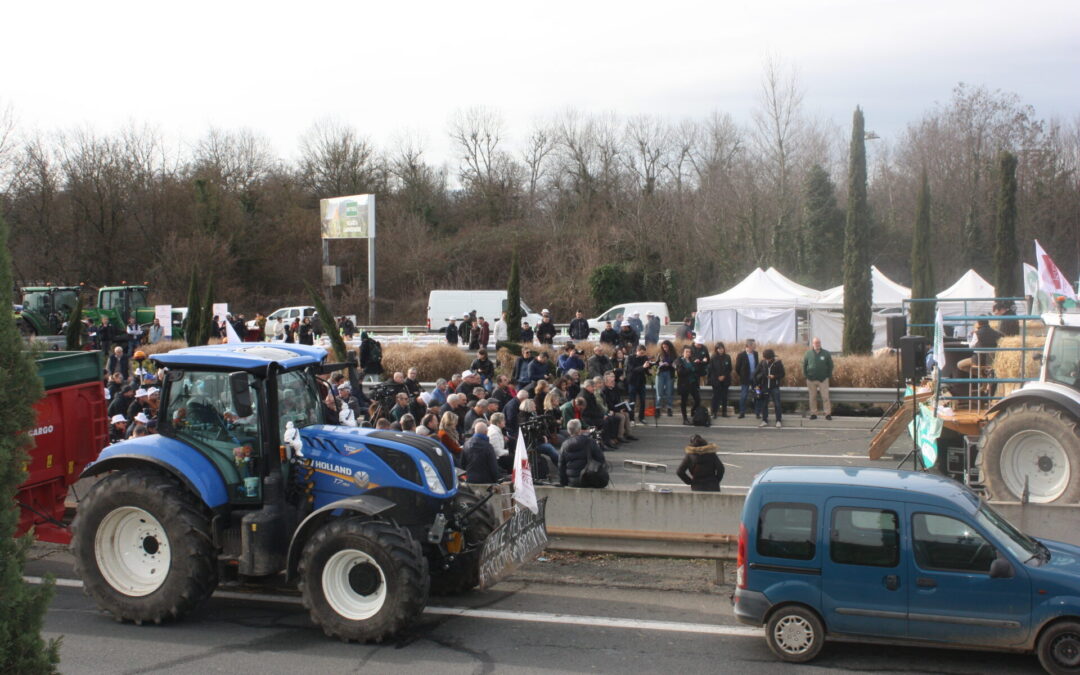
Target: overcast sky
{"points": [[392, 67]]}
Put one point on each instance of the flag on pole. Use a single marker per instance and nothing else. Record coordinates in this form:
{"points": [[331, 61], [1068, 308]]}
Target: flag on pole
{"points": [[524, 492], [230, 334], [939, 340], [1051, 279]]}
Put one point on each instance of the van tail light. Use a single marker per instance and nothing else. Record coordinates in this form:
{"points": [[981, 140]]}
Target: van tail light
{"points": [[740, 559], [667, 320], [429, 323]]}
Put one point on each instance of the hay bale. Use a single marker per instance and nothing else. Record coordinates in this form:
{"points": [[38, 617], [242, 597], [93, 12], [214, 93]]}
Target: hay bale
{"points": [[432, 361], [1007, 364], [163, 346]]}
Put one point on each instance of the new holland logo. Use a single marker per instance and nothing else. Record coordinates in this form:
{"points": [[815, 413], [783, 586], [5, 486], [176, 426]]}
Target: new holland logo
{"points": [[318, 464]]}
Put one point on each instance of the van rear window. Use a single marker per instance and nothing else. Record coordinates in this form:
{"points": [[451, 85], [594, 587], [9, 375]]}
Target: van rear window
{"points": [[787, 530]]}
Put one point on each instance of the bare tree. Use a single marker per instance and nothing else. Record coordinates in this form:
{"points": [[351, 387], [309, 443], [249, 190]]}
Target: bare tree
{"points": [[539, 147], [336, 161], [486, 171], [648, 141]]}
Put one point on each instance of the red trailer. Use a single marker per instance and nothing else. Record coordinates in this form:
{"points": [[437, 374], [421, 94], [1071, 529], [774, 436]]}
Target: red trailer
{"points": [[72, 428]]}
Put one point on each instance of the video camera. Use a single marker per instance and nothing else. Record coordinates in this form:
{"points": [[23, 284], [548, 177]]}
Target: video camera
{"points": [[384, 393]]}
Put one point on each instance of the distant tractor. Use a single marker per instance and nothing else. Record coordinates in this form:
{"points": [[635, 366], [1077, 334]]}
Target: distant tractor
{"points": [[44, 309], [1030, 447], [120, 303], [244, 483]]}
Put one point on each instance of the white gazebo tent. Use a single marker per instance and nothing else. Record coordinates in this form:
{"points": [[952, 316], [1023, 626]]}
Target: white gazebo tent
{"points": [[827, 318], [761, 306], [971, 285]]}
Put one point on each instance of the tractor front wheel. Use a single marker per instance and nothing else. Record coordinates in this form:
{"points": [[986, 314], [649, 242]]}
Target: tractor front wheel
{"points": [[1032, 447]]}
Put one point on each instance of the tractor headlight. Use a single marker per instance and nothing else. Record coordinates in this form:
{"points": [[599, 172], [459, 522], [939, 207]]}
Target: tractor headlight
{"points": [[431, 476]]}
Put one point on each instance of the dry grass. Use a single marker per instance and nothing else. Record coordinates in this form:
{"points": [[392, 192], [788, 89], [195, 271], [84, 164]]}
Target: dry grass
{"points": [[163, 346], [432, 361]]}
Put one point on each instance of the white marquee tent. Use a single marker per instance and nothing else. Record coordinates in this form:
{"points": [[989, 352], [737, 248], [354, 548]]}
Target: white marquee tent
{"points": [[971, 285], [761, 306], [827, 318], [886, 293]]}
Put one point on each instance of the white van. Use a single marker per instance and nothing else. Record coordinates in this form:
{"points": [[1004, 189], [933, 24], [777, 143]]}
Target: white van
{"points": [[627, 309], [442, 305]]}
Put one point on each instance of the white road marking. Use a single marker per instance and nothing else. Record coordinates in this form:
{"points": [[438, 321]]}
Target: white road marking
{"points": [[793, 454], [503, 615]]}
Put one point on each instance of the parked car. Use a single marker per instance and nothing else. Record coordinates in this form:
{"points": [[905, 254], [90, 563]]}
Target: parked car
{"points": [[899, 557], [627, 309]]}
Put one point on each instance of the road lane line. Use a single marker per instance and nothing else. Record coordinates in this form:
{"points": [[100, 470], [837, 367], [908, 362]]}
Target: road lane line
{"points": [[793, 454], [503, 615]]}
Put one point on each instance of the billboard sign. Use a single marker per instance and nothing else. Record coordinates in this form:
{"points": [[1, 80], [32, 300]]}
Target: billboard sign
{"points": [[348, 217]]}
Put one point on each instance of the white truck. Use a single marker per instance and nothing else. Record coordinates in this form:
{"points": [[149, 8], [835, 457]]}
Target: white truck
{"points": [[444, 305]]}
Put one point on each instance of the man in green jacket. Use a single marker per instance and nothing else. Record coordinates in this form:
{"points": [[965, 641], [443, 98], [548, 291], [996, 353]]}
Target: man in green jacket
{"points": [[817, 365]]}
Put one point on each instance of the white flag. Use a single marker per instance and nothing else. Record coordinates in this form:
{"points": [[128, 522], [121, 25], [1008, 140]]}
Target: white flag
{"points": [[524, 492], [939, 340], [230, 334], [1051, 279]]}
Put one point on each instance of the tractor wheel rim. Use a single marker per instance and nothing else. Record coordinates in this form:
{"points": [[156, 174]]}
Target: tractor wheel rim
{"points": [[1038, 457], [354, 585], [793, 634], [132, 551]]}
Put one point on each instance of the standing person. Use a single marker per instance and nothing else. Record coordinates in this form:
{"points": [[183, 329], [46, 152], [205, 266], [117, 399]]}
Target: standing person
{"points": [[545, 330], [579, 327], [636, 323], [316, 326], [307, 332], [452, 332], [465, 330], [701, 358], [720, 379], [637, 369], [484, 333], [769, 377], [652, 329], [746, 364], [689, 385], [118, 363], [665, 376], [818, 366], [260, 326], [526, 333], [685, 332], [370, 357], [106, 334], [609, 336], [134, 335], [157, 332], [701, 468], [502, 330]]}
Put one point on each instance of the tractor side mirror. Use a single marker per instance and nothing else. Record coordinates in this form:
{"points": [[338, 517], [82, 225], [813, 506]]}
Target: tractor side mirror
{"points": [[241, 393]]}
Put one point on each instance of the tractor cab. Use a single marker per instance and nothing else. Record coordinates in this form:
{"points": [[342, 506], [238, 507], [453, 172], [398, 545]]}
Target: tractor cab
{"points": [[46, 308], [1061, 359], [123, 302]]}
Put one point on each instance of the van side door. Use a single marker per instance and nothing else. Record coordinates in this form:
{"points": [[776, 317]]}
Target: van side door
{"points": [[864, 576], [952, 597]]}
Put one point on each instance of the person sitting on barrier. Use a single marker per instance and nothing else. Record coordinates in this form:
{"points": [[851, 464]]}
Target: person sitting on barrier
{"points": [[575, 456], [983, 337], [701, 468], [497, 436], [401, 406], [475, 413], [572, 410], [484, 368], [412, 383], [478, 457]]}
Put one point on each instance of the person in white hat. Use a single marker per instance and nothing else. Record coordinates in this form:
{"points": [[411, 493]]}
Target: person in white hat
{"points": [[139, 405], [700, 354], [652, 329], [117, 428], [635, 323], [545, 330]]}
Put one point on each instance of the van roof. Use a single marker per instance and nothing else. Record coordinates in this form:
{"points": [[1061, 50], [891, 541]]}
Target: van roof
{"points": [[917, 482]]}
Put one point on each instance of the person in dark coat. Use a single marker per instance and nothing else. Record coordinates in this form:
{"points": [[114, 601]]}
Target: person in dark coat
{"points": [[687, 385], [628, 338], [637, 370], [745, 365], [485, 333], [452, 332], [307, 332], [106, 334], [768, 378], [370, 356], [579, 327], [609, 336], [478, 458], [545, 331], [574, 456], [701, 468], [527, 334], [720, 378]]}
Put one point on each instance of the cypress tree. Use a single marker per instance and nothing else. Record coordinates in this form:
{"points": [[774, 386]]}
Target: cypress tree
{"points": [[513, 301], [823, 228], [194, 312], [922, 268], [22, 607], [330, 326], [206, 320], [73, 334], [858, 289], [1006, 255]]}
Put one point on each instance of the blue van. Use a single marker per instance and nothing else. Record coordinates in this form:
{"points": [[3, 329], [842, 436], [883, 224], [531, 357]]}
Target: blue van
{"points": [[899, 557]]}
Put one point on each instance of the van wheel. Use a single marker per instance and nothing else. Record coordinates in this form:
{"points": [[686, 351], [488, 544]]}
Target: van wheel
{"points": [[1059, 648], [795, 634]]}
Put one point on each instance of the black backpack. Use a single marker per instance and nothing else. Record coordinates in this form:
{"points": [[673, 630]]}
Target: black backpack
{"points": [[376, 351], [700, 417]]}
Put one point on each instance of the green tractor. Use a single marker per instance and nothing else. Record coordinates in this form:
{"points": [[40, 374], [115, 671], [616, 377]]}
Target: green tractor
{"points": [[121, 302], [44, 309]]}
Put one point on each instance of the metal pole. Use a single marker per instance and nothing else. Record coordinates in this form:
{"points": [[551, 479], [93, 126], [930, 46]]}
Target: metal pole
{"points": [[371, 280], [325, 264]]}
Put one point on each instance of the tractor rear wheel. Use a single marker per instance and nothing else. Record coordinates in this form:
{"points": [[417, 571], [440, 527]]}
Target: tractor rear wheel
{"points": [[464, 572], [363, 579], [1033, 447], [143, 547]]}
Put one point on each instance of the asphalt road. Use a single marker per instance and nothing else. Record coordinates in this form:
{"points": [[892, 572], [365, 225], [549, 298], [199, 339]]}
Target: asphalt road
{"points": [[747, 449], [534, 622]]}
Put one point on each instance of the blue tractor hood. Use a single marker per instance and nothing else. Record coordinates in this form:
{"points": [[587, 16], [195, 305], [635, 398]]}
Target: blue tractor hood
{"points": [[340, 461]]}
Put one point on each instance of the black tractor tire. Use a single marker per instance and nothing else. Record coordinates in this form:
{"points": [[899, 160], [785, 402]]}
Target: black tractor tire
{"points": [[26, 329], [143, 548], [1059, 648], [363, 580], [795, 634], [464, 572], [1030, 423]]}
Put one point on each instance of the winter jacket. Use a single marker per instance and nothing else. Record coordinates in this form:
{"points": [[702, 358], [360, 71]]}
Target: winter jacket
{"points": [[538, 370], [652, 331], [636, 369], [479, 461], [764, 369], [720, 366], [579, 329], [157, 332], [369, 361], [609, 336], [593, 414], [686, 373], [570, 362], [521, 370], [701, 468], [485, 333], [628, 338], [700, 353], [452, 334], [817, 366], [574, 456], [545, 332], [636, 325], [485, 368], [598, 365], [744, 369], [527, 336]]}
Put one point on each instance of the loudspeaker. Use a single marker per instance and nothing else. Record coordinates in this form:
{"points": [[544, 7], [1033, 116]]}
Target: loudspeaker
{"points": [[913, 357], [895, 328]]}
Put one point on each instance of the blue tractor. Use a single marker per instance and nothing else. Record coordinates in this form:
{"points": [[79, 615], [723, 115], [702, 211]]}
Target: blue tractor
{"points": [[244, 483]]}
